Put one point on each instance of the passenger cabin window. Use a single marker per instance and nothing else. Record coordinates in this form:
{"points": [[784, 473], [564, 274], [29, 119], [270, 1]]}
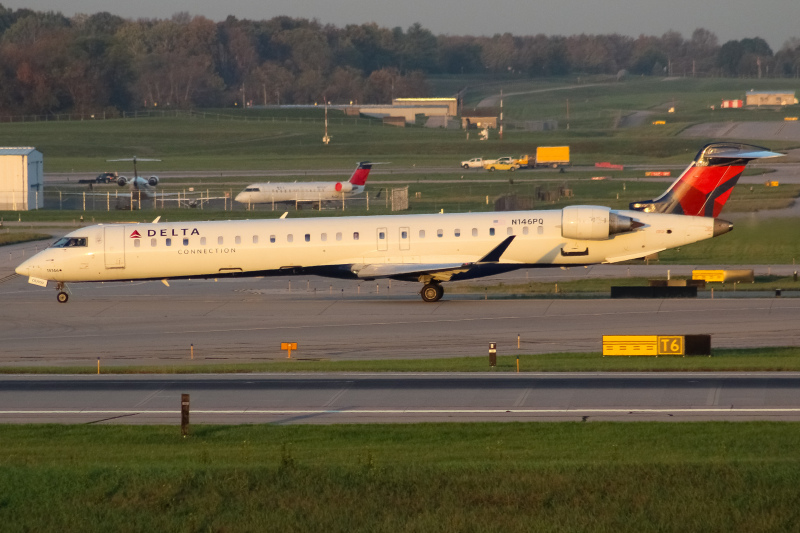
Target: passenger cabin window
{"points": [[323, 237], [339, 236], [289, 238], [237, 240], [491, 232], [404, 235], [439, 233], [255, 239], [202, 241], [474, 232], [186, 242], [422, 234], [70, 242], [308, 237], [153, 242], [457, 232], [272, 239], [510, 231], [355, 235], [219, 240], [169, 241], [540, 230], [136, 243], [525, 230], [381, 235]]}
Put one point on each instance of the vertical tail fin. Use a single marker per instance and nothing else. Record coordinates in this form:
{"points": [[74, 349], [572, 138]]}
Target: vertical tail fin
{"points": [[361, 173], [707, 183]]}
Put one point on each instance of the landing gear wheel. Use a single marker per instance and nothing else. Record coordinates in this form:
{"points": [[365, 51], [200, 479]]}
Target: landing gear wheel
{"points": [[62, 297], [432, 292]]}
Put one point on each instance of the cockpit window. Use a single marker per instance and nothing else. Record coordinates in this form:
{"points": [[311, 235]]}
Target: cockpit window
{"points": [[70, 242], [251, 189]]}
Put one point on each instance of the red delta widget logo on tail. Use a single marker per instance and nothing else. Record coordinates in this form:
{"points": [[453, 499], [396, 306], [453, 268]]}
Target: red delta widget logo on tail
{"points": [[708, 182]]}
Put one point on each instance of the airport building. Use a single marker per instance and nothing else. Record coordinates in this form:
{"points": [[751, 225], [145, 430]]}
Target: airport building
{"points": [[21, 179]]}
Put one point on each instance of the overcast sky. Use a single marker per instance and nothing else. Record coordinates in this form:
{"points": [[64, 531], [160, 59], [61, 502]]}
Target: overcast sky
{"points": [[773, 20]]}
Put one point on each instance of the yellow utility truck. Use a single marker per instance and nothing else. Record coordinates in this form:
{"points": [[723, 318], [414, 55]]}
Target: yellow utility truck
{"points": [[552, 156]]}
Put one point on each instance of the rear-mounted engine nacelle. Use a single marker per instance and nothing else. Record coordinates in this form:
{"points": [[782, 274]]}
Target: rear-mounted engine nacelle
{"points": [[153, 181], [594, 223], [344, 187]]}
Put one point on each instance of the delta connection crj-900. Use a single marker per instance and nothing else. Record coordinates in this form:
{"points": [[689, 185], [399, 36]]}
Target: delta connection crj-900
{"points": [[429, 249]]}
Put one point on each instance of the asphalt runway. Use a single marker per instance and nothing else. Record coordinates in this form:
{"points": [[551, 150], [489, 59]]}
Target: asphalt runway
{"points": [[246, 320], [392, 398]]}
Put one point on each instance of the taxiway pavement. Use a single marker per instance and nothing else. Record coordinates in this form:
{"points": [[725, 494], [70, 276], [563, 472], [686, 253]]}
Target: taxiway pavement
{"points": [[370, 398], [246, 320]]}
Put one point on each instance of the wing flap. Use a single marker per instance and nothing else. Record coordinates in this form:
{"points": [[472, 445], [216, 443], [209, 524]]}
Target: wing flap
{"points": [[387, 270]]}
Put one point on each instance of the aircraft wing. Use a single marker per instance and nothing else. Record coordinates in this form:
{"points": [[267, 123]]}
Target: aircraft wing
{"points": [[441, 271], [437, 271]]}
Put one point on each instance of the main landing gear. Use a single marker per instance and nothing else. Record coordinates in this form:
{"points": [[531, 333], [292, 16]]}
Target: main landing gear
{"points": [[432, 292], [62, 296]]}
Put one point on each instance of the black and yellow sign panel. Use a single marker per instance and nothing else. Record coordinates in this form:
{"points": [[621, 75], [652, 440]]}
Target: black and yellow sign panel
{"points": [[643, 345]]}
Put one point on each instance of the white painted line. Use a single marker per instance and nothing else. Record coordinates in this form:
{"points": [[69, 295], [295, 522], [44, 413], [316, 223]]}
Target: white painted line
{"points": [[396, 411]]}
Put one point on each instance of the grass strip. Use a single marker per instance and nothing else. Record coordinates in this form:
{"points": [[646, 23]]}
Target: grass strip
{"points": [[425, 477], [753, 359], [18, 237]]}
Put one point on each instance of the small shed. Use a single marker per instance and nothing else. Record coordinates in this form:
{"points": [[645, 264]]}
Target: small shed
{"points": [[21, 179], [770, 98]]}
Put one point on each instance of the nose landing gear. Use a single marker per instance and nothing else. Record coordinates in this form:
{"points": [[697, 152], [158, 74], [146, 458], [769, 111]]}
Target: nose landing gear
{"points": [[432, 292], [62, 296]]}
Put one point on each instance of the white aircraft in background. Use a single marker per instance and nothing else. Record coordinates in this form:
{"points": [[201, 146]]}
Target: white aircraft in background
{"points": [[147, 187], [314, 191], [430, 249]]}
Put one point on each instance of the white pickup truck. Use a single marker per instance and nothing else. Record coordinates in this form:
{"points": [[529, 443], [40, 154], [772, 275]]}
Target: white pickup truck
{"points": [[475, 162]]}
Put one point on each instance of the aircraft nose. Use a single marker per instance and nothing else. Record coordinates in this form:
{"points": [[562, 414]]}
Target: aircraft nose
{"points": [[241, 197], [26, 267]]}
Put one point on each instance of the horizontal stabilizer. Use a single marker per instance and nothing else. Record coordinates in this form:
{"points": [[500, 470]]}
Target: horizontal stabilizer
{"points": [[745, 152]]}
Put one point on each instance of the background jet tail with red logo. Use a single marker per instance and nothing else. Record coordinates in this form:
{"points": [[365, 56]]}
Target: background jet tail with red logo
{"points": [[708, 182], [361, 173]]}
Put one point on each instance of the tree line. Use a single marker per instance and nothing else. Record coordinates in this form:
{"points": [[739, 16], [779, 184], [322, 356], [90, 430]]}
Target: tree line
{"points": [[90, 63]]}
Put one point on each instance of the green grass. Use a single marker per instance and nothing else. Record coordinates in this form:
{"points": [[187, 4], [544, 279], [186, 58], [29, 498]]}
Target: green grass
{"points": [[754, 359], [267, 139], [21, 236], [752, 241], [427, 477]]}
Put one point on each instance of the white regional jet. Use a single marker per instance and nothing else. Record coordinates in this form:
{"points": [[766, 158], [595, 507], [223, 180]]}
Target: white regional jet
{"points": [[315, 191], [429, 249]]}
